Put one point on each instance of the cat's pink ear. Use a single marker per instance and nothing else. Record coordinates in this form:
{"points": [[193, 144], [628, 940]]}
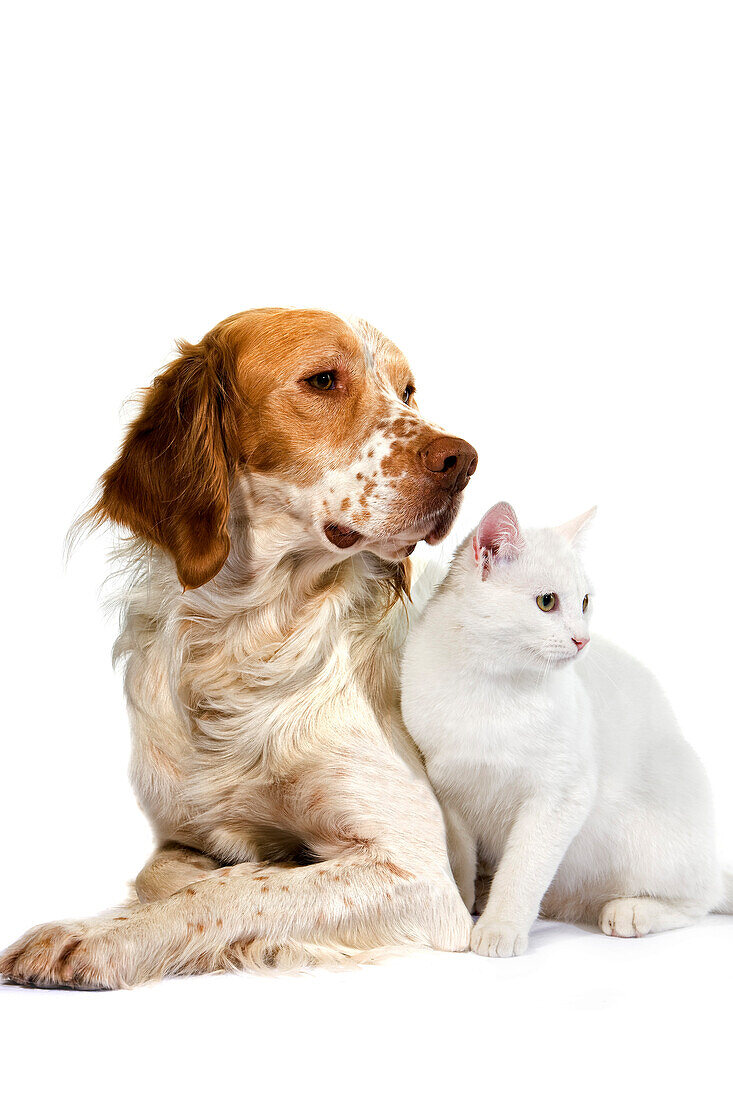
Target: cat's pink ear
{"points": [[572, 529], [497, 537]]}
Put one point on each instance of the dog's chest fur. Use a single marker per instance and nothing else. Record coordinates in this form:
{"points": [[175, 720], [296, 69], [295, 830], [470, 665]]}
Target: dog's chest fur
{"points": [[235, 688]]}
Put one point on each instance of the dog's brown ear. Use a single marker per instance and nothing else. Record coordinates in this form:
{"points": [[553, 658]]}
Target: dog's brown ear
{"points": [[170, 484]]}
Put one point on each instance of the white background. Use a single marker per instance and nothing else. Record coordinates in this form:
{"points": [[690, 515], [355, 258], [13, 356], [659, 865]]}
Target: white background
{"points": [[534, 201]]}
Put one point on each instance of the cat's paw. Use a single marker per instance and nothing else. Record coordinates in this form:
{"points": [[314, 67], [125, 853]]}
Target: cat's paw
{"points": [[619, 918], [633, 917], [499, 939]]}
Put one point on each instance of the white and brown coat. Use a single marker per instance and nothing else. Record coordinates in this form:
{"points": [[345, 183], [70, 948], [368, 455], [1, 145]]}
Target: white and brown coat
{"points": [[276, 480]]}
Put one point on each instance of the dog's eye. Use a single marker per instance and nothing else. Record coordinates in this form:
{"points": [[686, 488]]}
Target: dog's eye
{"points": [[546, 601], [407, 395], [324, 380], [585, 604]]}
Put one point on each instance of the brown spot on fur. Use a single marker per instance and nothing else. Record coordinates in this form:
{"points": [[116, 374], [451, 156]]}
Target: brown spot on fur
{"points": [[392, 869], [345, 503], [122, 918], [359, 476], [401, 426], [264, 889], [285, 889], [199, 928], [396, 461], [218, 922], [258, 913], [190, 892], [406, 428]]}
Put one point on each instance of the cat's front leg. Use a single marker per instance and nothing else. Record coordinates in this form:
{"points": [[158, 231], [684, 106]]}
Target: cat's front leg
{"points": [[537, 842], [462, 855]]}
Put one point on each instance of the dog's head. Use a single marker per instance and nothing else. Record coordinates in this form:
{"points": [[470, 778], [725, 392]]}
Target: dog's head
{"points": [[300, 404]]}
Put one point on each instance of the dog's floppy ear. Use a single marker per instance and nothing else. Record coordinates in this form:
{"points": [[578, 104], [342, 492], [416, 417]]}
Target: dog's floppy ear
{"points": [[170, 484]]}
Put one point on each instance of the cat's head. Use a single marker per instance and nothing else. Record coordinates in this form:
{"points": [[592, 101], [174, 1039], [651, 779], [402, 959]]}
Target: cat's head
{"points": [[530, 590]]}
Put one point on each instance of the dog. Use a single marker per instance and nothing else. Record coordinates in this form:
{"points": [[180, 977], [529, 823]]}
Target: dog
{"points": [[275, 482]]}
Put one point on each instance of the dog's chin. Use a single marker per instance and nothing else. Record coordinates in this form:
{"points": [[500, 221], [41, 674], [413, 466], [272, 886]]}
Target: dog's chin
{"points": [[392, 548], [398, 545], [443, 522], [392, 551], [432, 530]]}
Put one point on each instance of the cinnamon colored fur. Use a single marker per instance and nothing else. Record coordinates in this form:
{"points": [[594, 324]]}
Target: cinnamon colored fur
{"points": [[293, 816]]}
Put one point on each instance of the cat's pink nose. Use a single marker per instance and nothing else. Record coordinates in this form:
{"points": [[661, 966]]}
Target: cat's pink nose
{"points": [[581, 643]]}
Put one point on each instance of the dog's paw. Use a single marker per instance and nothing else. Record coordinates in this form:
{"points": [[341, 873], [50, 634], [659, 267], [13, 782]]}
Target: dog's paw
{"points": [[79, 955], [499, 939]]}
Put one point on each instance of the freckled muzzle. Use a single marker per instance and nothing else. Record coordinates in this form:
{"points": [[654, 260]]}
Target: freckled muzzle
{"points": [[409, 493], [440, 470]]}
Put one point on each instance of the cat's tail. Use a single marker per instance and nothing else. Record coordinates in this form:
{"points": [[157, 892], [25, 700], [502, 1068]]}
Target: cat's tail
{"points": [[726, 904]]}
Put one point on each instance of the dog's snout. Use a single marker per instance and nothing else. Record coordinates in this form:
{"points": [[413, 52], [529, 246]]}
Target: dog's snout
{"points": [[450, 462]]}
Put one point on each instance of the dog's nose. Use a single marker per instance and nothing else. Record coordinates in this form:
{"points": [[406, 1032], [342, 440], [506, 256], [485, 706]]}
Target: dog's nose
{"points": [[581, 643], [450, 462]]}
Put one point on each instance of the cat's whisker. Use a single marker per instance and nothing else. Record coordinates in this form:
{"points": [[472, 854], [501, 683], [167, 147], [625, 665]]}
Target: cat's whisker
{"points": [[589, 657]]}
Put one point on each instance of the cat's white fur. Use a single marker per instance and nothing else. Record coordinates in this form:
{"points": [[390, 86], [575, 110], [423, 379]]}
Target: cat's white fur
{"points": [[563, 773]]}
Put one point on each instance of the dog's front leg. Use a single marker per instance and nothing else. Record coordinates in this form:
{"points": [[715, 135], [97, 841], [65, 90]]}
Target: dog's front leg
{"points": [[240, 914], [171, 867]]}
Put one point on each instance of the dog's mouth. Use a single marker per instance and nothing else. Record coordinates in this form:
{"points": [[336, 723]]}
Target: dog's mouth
{"points": [[341, 536], [345, 537], [432, 528]]}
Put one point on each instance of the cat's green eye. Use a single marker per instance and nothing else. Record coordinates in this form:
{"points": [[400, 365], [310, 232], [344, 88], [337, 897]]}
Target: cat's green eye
{"points": [[324, 380], [585, 604], [546, 601]]}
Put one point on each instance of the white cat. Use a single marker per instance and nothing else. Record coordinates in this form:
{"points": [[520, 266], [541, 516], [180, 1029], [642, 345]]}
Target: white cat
{"points": [[566, 775]]}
